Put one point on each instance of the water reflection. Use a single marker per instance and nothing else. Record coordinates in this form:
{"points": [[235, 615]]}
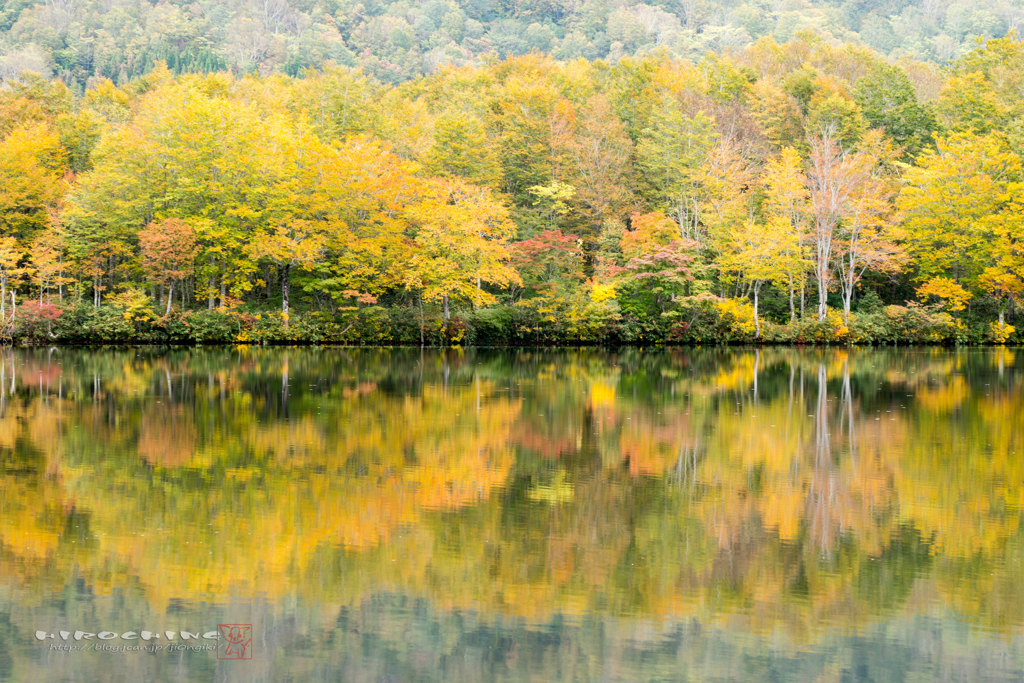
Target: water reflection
{"points": [[642, 508]]}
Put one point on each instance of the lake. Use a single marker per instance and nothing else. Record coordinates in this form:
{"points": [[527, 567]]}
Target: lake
{"points": [[707, 514]]}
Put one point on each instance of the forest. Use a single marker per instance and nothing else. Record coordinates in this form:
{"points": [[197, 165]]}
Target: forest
{"points": [[806, 191], [81, 41]]}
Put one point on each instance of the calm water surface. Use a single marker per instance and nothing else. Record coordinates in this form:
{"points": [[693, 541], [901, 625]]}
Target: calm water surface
{"points": [[392, 515]]}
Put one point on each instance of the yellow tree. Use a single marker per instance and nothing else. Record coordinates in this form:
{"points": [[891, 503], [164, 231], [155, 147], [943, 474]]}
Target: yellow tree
{"points": [[957, 201], [461, 235], [650, 233], [761, 252], [10, 273], [362, 192], [1002, 279], [598, 155], [297, 242], [32, 166], [461, 149], [47, 260], [786, 202]]}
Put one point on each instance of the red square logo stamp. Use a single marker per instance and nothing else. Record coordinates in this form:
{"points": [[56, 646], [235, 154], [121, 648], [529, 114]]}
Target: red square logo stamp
{"points": [[234, 641]]}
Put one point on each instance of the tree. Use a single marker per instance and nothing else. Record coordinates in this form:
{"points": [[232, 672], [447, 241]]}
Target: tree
{"points": [[47, 261], [786, 198], [169, 251], [761, 252], [549, 260], [649, 233], [868, 230], [298, 242], [188, 155], [673, 151], [32, 166], [955, 201], [461, 149], [363, 191], [10, 275], [849, 212], [888, 101], [1003, 278], [598, 155], [663, 273], [461, 234]]}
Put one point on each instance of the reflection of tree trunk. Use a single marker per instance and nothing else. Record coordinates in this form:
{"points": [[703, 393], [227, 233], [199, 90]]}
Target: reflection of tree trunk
{"points": [[446, 370], [284, 387], [686, 465], [821, 449], [848, 410], [757, 367], [792, 375], [821, 495]]}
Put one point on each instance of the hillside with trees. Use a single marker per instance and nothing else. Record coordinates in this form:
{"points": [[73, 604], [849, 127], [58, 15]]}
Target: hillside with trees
{"points": [[800, 191], [395, 41]]}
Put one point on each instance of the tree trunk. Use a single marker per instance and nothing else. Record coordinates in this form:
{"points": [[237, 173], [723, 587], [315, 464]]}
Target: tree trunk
{"points": [[285, 271], [421, 319], [792, 302], [757, 322], [822, 294], [223, 291], [210, 297], [170, 297], [447, 313]]}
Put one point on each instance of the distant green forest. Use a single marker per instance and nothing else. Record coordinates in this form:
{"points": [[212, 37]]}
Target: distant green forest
{"points": [[79, 40]]}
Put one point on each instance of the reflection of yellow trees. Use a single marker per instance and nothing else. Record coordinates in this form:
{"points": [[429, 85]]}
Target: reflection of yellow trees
{"points": [[351, 484], [186, 511], [781, 486], [945, 397], [815, 469]]}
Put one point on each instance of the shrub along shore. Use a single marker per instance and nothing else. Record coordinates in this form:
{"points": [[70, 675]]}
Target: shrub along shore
{"points": [[703, 320]]}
